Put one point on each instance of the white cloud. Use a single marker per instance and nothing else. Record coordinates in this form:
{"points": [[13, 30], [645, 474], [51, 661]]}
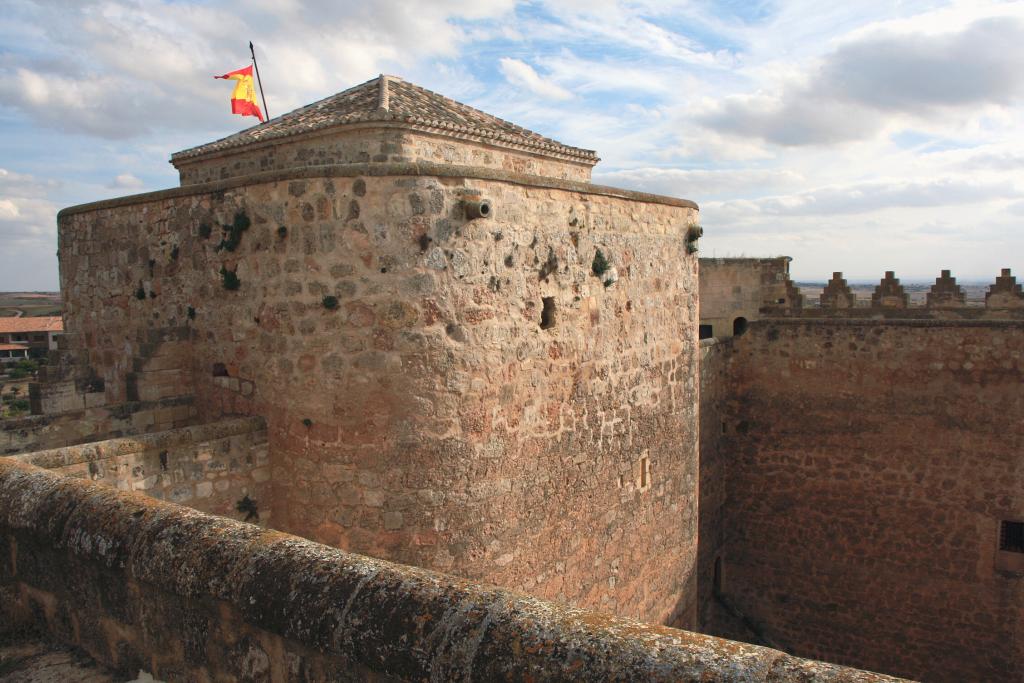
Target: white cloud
{"points": [[126, 181], [865, 84], [706, 184], [28, 232], [521, 74], [120, 69], [868, 196]]}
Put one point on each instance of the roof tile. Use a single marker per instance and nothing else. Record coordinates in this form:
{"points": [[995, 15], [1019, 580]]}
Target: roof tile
{"points": [[388, 99], [43, 323]]}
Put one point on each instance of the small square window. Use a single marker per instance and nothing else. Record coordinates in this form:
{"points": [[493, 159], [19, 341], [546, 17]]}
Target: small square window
{"points": [[1011, 537]]}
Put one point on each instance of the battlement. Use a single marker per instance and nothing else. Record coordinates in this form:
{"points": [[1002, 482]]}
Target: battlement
{"points": [[946, 293], [890, 293], [1005, 293], [946, 300]]}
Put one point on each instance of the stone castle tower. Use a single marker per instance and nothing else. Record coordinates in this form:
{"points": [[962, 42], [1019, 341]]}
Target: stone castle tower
{"points": [[396, 325], [469, 357]]}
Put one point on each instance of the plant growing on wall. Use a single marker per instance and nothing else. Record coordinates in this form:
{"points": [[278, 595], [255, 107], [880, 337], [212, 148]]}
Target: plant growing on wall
{"points": [[549, 266], [17, 407], [602, 267], [234, 232], [282, 232], [229, 279], [140, 293], [205, 230], [330, 302], [249, 507]]}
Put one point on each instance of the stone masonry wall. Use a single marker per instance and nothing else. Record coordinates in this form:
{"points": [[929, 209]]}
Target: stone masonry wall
{"points": [[41, 432], [208, 467], [714, 390], [743, 287], [144, 584], [870, 464], [375, 144], [473, 398]]}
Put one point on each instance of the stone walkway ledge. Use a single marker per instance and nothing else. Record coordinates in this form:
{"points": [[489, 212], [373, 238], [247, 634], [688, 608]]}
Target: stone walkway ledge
{"points": [[189, 596]]}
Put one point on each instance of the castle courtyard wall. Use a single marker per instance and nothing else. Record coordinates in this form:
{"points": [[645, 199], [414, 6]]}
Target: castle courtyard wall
{"points": [[209, 467], [42, 432], [869, 467], [426, 416], [714, 392], [142, 584]]}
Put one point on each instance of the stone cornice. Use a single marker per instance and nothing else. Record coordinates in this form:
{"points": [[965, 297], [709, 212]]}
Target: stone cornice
{"points": [[379, 170]]}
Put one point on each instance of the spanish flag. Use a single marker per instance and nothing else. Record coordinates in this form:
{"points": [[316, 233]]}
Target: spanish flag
{"points": [[243, 99]]}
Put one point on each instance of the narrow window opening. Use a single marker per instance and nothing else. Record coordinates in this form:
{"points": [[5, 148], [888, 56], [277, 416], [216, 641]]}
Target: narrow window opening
{"points": [[705, 332], [1011, 537], [645, 472], [547, 314], [739, 326]]}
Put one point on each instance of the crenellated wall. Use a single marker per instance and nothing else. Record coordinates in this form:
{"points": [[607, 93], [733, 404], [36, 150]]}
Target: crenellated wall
{"points": [[144, 584], [869, 466], [460, 394], [735, 291]]}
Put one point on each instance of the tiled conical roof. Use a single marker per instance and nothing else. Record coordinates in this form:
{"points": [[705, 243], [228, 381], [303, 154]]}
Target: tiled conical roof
{"points": [[391, 100]]}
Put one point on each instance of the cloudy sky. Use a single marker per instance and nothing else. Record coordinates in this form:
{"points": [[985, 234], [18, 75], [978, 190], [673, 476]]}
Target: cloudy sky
{"points": [[857, 136]]}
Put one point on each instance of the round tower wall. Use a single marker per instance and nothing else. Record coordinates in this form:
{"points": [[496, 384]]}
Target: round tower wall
{"points": [[466, 395]]}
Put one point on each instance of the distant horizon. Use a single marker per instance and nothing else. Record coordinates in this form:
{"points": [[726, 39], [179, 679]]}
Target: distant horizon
{"points": [[802, 280]]}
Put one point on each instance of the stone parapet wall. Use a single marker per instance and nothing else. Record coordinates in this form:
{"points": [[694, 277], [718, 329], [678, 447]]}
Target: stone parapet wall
{"points": [[144, 584], [374, 144], [40, 432], [375, 171], [209, 467], [869, 467], [464, 394], [750, 288]]}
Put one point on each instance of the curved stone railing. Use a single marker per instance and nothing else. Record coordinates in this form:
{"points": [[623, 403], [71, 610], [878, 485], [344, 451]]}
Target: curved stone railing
{"points": [[144, 584], [417, 168]]}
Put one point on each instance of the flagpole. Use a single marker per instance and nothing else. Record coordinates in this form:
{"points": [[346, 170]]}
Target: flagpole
{"points": [[253, 51]]}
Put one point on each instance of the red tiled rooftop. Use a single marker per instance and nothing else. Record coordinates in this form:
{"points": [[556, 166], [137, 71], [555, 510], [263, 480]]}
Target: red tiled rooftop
{"points": [[389, 99], [43, 323]]}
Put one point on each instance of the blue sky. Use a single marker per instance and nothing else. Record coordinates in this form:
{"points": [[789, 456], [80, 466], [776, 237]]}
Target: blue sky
{"points": [[861, 137]]}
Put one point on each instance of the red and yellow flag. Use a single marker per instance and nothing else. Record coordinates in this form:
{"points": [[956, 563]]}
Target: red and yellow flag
{"points": [[243, 99]]}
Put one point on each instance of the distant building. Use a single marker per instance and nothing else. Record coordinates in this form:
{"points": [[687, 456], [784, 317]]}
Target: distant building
{"points": [[22, 338]]}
